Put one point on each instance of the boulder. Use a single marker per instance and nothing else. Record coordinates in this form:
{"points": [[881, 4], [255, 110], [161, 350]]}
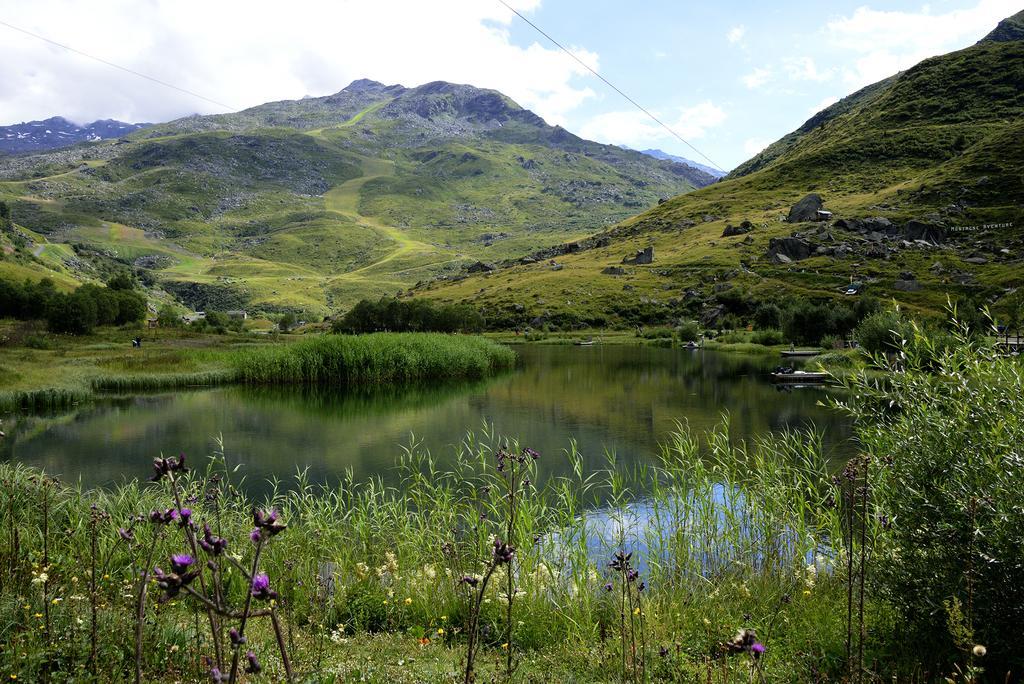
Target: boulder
{"points": [[919, 230], [907, 285], [480, 267], [643, 256], [806, 209], [781, 259], [741, 229], [794, 249], [614, 270], [976, 260]]}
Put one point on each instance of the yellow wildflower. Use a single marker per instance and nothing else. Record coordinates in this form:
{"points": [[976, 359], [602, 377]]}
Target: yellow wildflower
{"points": [[408, 601]]}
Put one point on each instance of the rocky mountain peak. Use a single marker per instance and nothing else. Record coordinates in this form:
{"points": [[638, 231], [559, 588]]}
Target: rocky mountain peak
{"points": [[1009, 29]]}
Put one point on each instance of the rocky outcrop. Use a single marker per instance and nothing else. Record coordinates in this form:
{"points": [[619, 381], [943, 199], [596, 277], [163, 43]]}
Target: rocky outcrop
{"points": [[643, 256], [480, 267], [919, 230], [742, 229], [789, 248], [806, 209]]}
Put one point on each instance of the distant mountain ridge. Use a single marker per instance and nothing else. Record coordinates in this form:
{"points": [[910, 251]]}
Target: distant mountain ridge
{"points": [[57, 132], [309, 205], [659, 154]]}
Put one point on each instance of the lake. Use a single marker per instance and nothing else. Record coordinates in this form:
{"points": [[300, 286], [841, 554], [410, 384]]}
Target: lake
{"points": [[625, 399]]}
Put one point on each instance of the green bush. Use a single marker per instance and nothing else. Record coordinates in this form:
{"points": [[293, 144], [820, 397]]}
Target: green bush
{"points": [[946, 474], [417, 315], [768, 337], [882, 331], [688, 331]]}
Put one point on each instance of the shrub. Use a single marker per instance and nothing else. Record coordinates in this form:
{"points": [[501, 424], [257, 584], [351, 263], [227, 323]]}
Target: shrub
{"points": [[688, 331], [768, 337], [831, 342], [768, 316], [882, 331], [417, 315], [74, 313], [945, 482]]}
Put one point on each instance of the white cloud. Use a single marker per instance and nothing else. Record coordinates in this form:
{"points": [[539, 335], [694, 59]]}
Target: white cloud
{"points": [[736, 34], [757, 78], [890, 41], [754, 145], [635, 129], [805, 69], [246, 52], [827, 102]]}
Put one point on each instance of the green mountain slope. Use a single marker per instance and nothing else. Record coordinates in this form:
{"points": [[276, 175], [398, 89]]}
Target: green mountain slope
{"points": [[311, 204], [935, 153]]}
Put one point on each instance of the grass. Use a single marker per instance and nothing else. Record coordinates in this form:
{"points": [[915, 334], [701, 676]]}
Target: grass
{"points": [[368, 574], [70, 371]]}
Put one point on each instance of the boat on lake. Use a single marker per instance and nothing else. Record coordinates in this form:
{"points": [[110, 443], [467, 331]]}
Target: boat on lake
{"points": [[799, 377]]}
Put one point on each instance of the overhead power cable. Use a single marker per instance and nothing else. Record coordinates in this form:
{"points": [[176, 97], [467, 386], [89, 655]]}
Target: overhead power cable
{"points": [[118, 66], [611, 85]]}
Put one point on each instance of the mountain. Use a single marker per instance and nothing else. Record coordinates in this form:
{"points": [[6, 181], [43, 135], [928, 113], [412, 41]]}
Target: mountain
{"points": [[922, 174], [311, 204], [658, 154], [1009, 29], [57, 132]]}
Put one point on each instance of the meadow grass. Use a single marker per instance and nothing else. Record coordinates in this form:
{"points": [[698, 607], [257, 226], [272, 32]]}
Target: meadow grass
{"points": [[739, 538]]}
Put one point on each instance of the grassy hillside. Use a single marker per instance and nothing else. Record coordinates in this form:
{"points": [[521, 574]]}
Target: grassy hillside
{"points": [[309, 205], [937, 151]]}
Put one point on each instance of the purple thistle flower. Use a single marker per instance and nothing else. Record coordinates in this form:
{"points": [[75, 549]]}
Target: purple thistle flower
{"points": [[757, 649], [261, 587], [127, 535], [254, 665], [255, 535], [608, 587], [470, 580], [180, 563], [216, 676], [213, 545], [531, 453], [236, 638]]}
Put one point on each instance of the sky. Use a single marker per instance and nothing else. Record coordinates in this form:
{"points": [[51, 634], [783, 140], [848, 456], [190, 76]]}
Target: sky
{"points": [[727, 77]]}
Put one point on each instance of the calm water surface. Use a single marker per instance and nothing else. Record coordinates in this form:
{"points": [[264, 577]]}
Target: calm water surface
{"points": [[620, 398]]}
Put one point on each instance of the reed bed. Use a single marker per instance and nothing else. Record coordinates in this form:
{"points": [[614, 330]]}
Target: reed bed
{"points": [[381, 358], [150, 382]]}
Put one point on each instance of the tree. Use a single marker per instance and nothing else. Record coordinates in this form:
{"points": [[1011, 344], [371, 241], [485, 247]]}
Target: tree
{"points": [[287, 322], [169, 316], [121, 281], [74, 313], [131, 306], [5, 215], [107, 303]]}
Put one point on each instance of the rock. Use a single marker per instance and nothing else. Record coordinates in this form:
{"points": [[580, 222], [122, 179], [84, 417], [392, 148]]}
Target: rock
{"points": [[806, 209], [907, 275], [557, 267], [919, 230], [480, 267], [722, 287], [937, 268], [614, 270], [907, 285], [976, 260], [741, 229], [781, 259], [643, 256], [794, 249], [710, 317]]}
